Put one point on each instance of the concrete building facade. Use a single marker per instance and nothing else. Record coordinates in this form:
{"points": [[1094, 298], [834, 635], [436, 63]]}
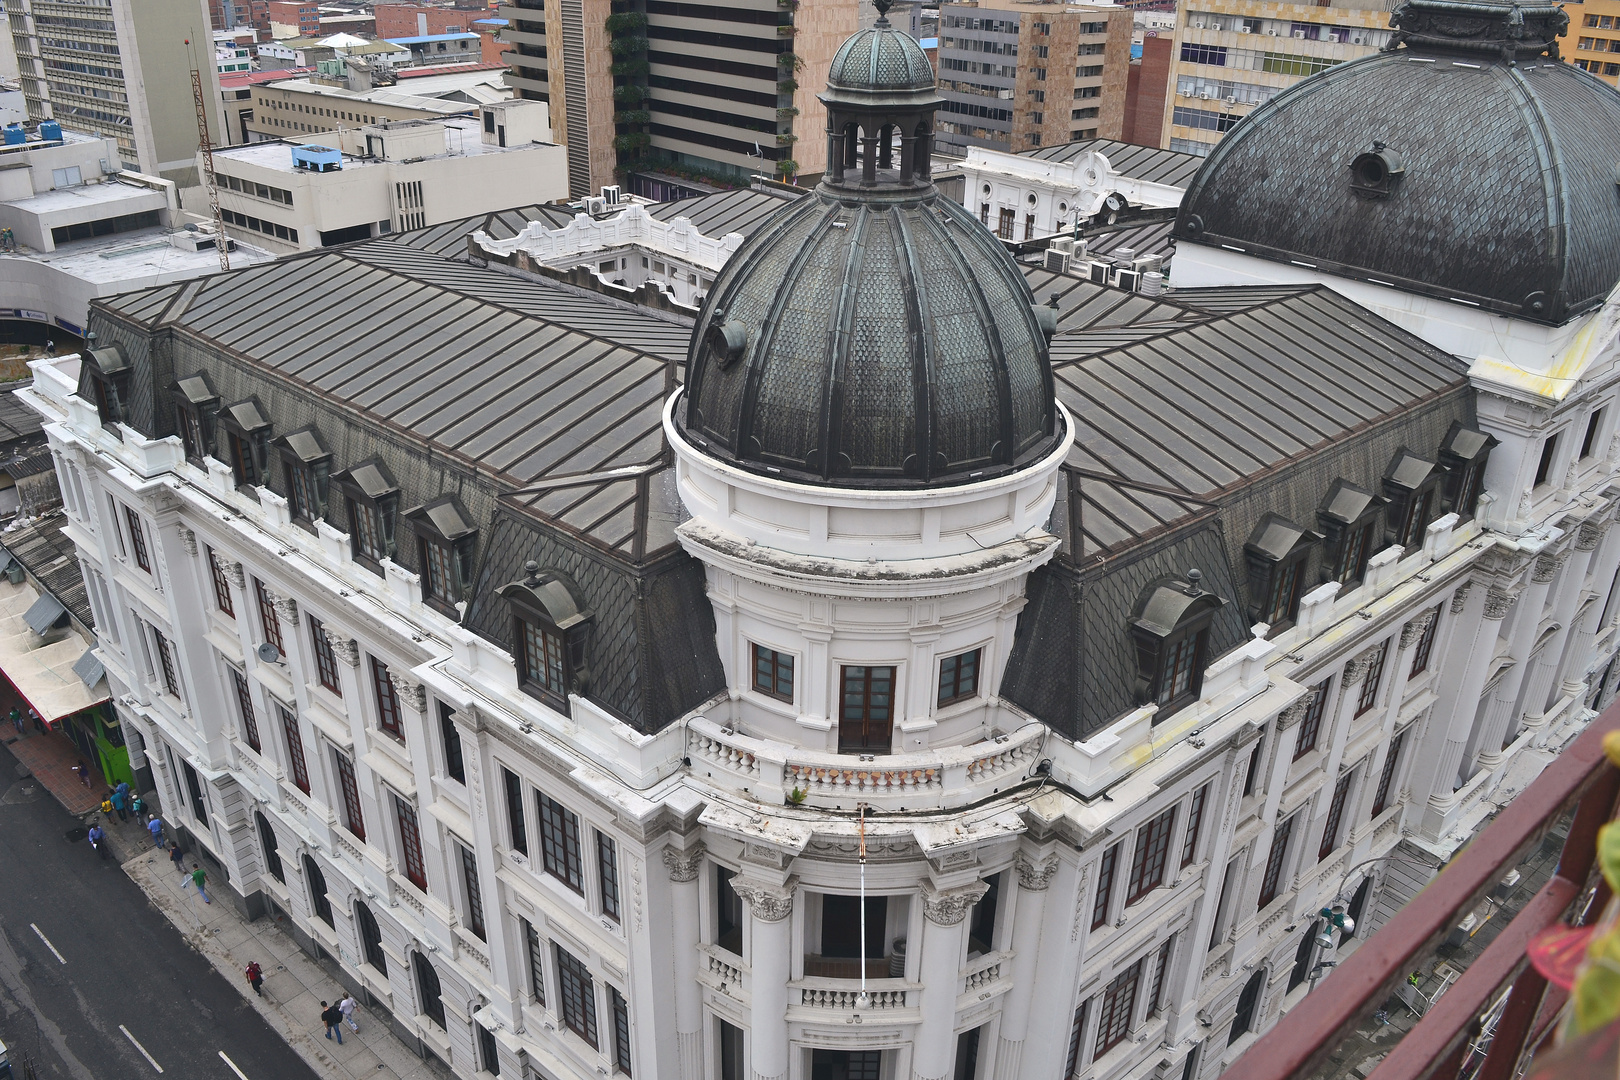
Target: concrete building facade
{"points": [[1592, 42], [117, 69], [1016, 76]]}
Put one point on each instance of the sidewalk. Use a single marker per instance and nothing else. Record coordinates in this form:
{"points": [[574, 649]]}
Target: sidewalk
{"points": [[294, 984]]}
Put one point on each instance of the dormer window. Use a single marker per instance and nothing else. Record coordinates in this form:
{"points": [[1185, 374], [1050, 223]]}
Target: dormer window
{"points": [[373, 500], [1170, 629], [306, 466], [1463, 455], [550, 629], [1412, 485], [1276, 553], [445, 538], [1352, 521], [245, 437], [194, 405], [104, 380]]}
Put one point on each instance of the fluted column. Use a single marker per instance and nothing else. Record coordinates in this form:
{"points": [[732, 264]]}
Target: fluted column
{"points": [[944, 913], [1028, 913], [683, 869], [770, 958], [1484, 746]]}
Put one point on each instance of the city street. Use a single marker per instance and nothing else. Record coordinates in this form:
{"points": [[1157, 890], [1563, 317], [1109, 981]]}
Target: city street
{"points": [[94, 982]]}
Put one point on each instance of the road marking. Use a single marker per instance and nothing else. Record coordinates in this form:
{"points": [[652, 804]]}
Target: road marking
{"points": [[47, 942], [232, 1064], [149, 1058]]}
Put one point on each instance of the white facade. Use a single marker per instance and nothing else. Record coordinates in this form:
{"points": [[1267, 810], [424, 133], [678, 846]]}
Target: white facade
{"points": [[1046, 197]]}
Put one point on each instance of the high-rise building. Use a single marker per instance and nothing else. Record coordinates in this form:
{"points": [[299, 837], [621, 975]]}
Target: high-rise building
{"points": [[1231, 55], [703, 91], [233, 14], [117, 69], [1017, 74], [1592, 42]]}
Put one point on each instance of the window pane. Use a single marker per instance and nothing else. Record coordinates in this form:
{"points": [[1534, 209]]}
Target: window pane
{"points": [[578, 995], [244, 705], [607, 866]]}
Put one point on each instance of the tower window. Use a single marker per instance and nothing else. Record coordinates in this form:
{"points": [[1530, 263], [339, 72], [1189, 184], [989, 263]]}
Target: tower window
{"points": [[773, 673], [959, 677]]}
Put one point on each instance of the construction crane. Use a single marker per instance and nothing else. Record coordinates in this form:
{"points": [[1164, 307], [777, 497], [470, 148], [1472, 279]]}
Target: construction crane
{"points": [[205, 147]]}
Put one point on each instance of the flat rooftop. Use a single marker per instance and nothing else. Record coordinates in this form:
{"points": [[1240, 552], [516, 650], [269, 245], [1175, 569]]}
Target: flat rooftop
{"points": [[383, 96], [137, 259], [462, 139], [102, 198]]}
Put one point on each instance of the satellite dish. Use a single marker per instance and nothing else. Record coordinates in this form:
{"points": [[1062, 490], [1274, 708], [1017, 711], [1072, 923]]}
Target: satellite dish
{"points": [[269, 653]]}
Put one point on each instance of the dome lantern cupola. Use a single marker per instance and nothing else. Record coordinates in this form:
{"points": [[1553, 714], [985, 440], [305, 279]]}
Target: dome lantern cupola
{"points": [[880, 83]]}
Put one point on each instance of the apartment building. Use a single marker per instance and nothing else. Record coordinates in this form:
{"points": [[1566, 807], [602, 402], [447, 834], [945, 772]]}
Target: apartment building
{"points": [[725, 92], [118, 68], [374, 179], [1017, 75], [1230, 56], [237, 14], [1592, 42], [420, 20], [294, 108], [294, 18]]}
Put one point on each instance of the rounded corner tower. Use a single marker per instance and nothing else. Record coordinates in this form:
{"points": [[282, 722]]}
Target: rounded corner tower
{"points": [[1465, 162], [872, 333]]}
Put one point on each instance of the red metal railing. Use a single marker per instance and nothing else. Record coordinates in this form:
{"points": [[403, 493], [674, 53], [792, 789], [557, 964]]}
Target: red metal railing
{"points": [[1580, 778]]}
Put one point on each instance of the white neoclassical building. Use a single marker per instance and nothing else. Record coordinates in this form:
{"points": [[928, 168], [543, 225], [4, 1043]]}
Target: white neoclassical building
{"points": [[894, 673]]}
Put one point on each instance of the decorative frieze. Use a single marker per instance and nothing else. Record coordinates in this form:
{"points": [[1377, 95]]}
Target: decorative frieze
{"points": [[684, 865]]}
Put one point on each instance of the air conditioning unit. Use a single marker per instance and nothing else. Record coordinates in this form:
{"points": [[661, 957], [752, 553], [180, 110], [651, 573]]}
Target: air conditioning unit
{"points": [[610, 194], [1300, 34], [1205, 95], [1271, 32], [1099, 273], [596, 206], [1128, 280], [1124, 255], [1231, 101], [1198, 24], [1063, 244], [1243, 29], [1148, 264], [1057, 262], [1004, 95], [1358, 39]]}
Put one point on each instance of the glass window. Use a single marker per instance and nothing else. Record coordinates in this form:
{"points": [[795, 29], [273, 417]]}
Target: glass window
{"points": [[222, 587], [1271, 881], [189, 421], [1335, 817], [1375, 675], [1105, 886], [296, 764], [1152, 853], [1077, 1032], [607, 868], [243, 465], [773, 673], [454, 767], [1310, 726], [1589, 441], [866, 710], [1195, 823], [326, 668], [267, 840], [1253, 776], [537, 963], [475, 894], [578, 994], [166, 663], [1424, 650], [1283, 601], [410, 842], [1357, 550], [268, 621], [319, 900], [427, 989], [1161, 968], [1549, 448], [542, 657], [244, 707], [1181, 676], [1387, 777], [516, 824], [137, 539], [559, 843], [959, 677], [440, 576], [388, 719], [370, 531], [1118, 1002], [301, 486], [353, 819], [621, 1031]]}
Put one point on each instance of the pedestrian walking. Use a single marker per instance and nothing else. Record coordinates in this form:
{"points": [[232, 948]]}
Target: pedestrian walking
{"points": [[17, 719], [255, 977], [174, 860], [332, 1017], [83, 769], [199, 878], [347, 1007], [98, 840], [122, 789], [107, 806], [137, 806], [155, 827], [39, 722], [120, 802]]}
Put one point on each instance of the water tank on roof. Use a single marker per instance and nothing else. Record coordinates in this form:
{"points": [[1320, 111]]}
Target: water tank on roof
{"points": [[15, 136], [50, 131]]}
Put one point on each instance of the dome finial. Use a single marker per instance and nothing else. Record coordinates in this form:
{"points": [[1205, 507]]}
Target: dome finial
{"points": [[883, 7]]}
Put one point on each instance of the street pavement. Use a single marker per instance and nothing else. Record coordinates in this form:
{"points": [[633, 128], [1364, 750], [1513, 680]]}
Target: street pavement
{"points": [[95, 983]]}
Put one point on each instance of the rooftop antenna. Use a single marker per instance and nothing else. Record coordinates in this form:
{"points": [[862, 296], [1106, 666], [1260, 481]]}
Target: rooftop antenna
{"points": [[863, 1001], [205, 147]]}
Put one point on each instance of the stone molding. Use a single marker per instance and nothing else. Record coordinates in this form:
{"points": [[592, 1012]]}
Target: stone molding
{"points": [[1546, 568], [1498, 603], [950, 907], [344, 648], [684, 865], [1460, 599], [188, 541], [409, 690], [286, 608], [1294, 713], [1035, 877], [1591, 534], [234, 574], [769, 903], [1358, 669], [1416, 629]]}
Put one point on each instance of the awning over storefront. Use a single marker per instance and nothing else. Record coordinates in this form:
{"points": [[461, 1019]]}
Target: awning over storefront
{"points": [[46, 674]]}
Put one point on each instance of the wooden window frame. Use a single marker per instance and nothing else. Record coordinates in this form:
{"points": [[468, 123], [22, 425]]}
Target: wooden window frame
{"points": [[1077, 1035], [1114, 1014], [1161, 970], [137, 539], [576, 996], [445, 542], [353, 815], [622, 1059], [1182, 664], [1423, 651], [410, 842], [1102, 901], [772, 670], [1310, 725], [516, 818], [171, 679], [1367, 698], [475, 893], [540, 643], [222, 586], [1335, 816], [390, 719], [560, 849], [244, 705], [326, 662], [1276, 859], [1151, 856], [1386, 778], [954, 684], [269, 621], [455, 765], [537, 962], [297, 765], [607, 871], [1196, 806], [847, 718]]}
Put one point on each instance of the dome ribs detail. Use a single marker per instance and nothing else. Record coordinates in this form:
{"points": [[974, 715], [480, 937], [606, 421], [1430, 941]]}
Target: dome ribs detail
{"points": [[840, 342], [919, 318]]}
